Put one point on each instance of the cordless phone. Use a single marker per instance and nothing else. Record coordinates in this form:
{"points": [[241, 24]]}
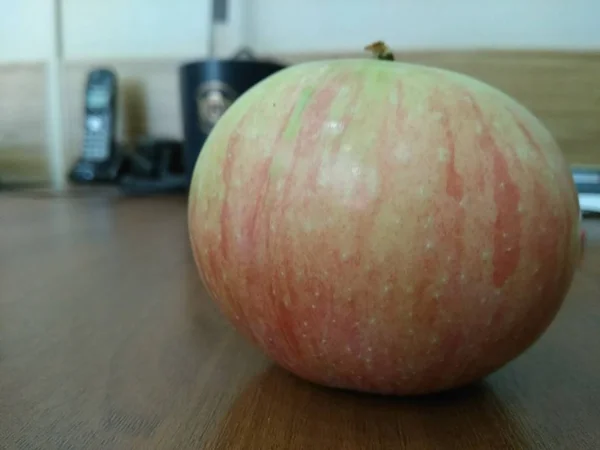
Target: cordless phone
{"points": [[99, 160], [100, 97]]}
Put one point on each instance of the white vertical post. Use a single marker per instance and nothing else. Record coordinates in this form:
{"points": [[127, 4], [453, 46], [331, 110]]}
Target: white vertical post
{"points": [[54, 100]]}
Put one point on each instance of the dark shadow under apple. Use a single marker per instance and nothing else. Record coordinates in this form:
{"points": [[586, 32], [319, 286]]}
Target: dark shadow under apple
{"points": [[279, 410]]}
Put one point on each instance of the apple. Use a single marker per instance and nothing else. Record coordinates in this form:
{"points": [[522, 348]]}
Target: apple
{"points": [[384, 227]]}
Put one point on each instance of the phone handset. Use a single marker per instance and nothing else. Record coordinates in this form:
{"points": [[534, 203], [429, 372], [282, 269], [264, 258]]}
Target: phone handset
{"points": [[99, 159]]}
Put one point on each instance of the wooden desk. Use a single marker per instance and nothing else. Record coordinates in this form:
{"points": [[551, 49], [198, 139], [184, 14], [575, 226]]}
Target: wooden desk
{"points": [[108, 341]]}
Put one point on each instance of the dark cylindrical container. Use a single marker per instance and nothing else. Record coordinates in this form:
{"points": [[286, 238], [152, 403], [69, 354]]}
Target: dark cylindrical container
{"points": [[208, 88]]}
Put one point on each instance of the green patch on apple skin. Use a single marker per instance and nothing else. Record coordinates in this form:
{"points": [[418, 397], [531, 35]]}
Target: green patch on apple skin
{"points": [[293, 127]]}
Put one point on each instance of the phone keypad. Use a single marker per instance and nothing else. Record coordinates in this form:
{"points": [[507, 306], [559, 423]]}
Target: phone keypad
{"points": [[96, 143]]}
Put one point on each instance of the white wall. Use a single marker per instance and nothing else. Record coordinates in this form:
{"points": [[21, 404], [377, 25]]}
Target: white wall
{"points": [[25, 30], [348, 25], [94, 29], [179, 28], [135, 28]]}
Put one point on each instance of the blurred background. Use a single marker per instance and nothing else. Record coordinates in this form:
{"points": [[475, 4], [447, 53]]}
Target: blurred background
{"points": [[543, 52]]}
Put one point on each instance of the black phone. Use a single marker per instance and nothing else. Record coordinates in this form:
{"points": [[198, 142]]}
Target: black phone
{"points": [[99, 160]]}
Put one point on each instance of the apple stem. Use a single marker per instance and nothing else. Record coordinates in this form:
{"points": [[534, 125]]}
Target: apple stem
{"points": [[380, 50]]}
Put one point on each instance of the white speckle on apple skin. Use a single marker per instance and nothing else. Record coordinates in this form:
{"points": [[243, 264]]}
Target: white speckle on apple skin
{"points": [[443, 154], [437, 116]]}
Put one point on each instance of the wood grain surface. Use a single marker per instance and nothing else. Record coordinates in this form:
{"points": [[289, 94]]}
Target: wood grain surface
{"points": [[109, 341]]}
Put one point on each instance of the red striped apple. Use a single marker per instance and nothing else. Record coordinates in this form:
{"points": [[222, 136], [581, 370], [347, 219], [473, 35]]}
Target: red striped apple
{"points": [[384, 227]]}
